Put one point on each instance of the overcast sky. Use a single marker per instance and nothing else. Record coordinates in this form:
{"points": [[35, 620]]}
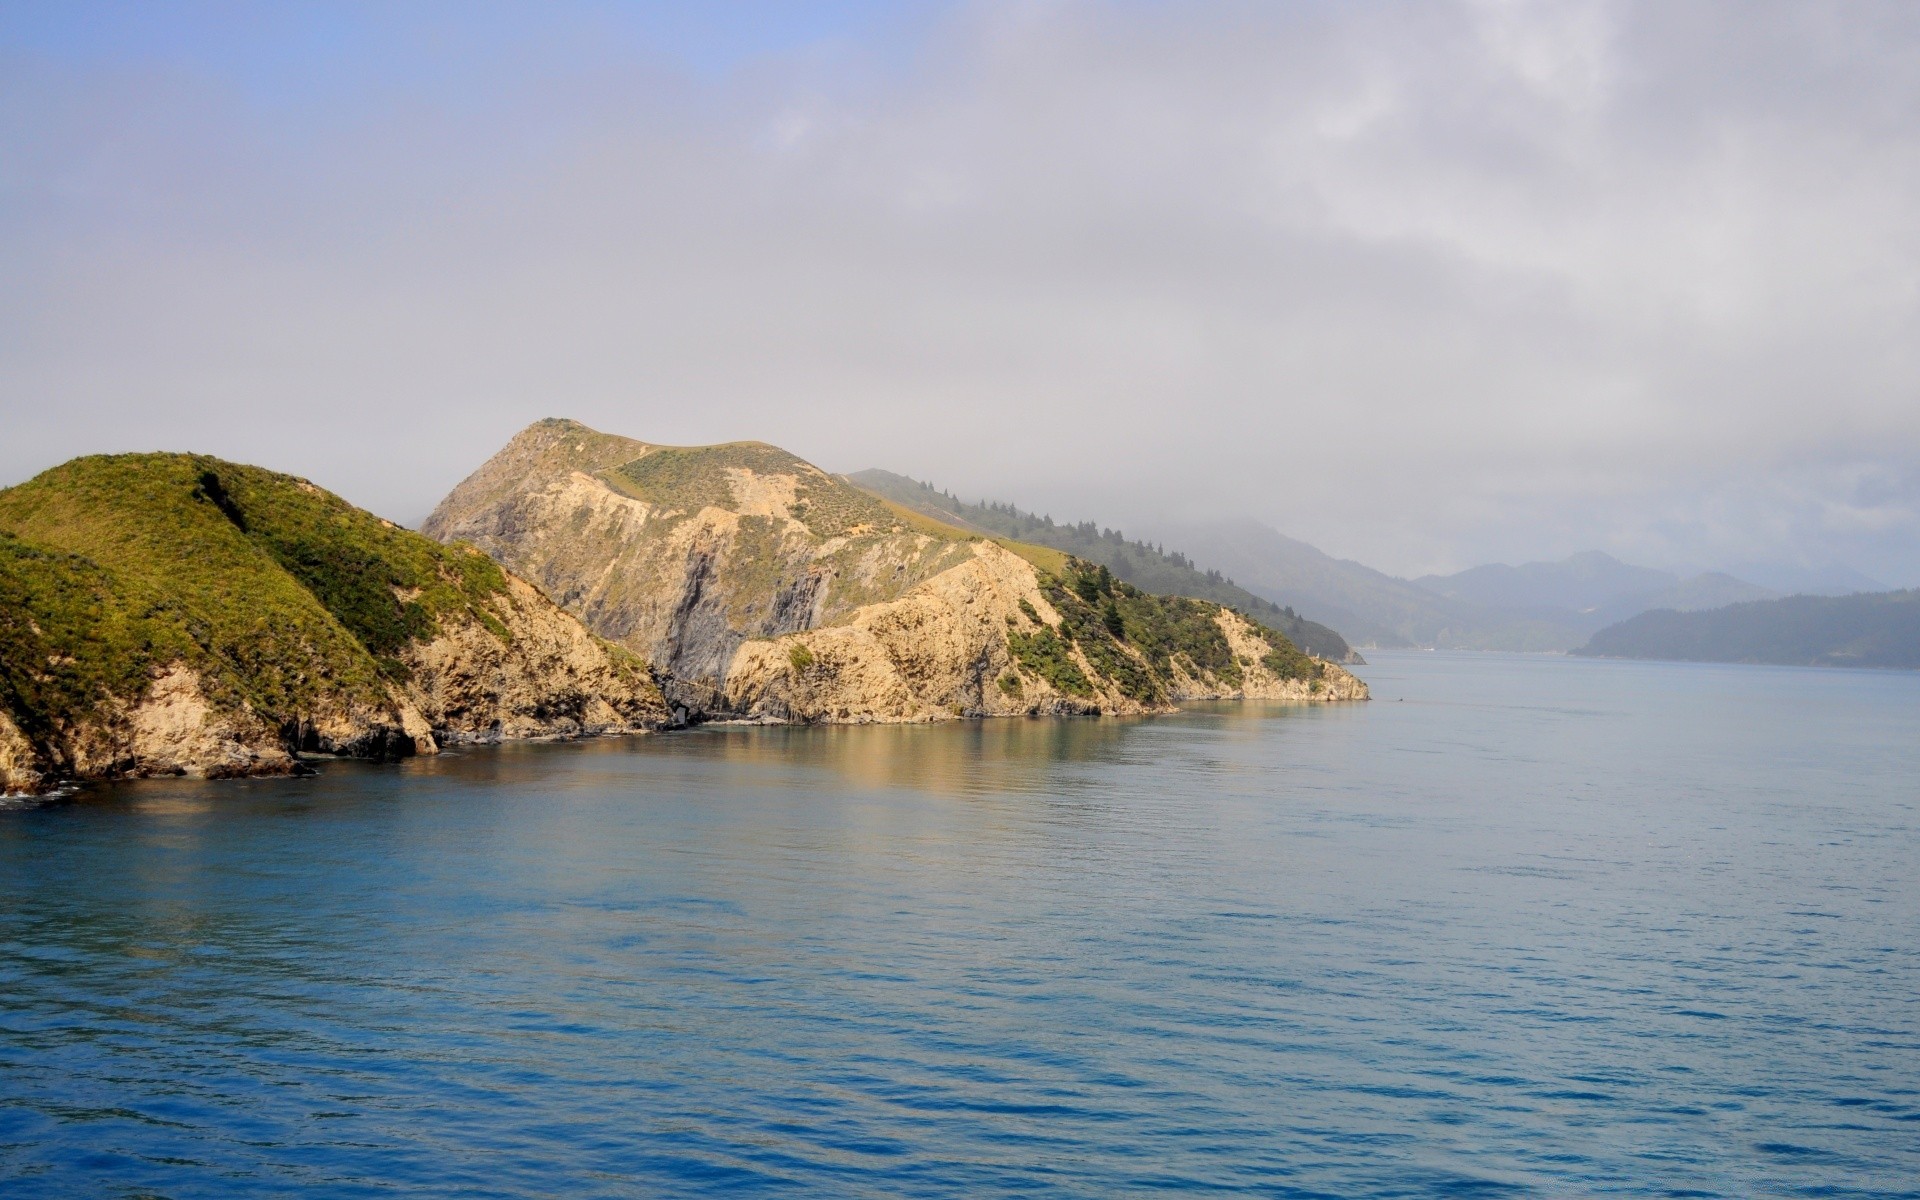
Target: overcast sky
{"points": [[1424, 284]]}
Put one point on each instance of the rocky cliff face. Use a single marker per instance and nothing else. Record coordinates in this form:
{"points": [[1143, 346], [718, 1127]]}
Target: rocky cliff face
{"points": [[764, 588], [171, 614], [953, 646], [684, 555], [548, 677]]}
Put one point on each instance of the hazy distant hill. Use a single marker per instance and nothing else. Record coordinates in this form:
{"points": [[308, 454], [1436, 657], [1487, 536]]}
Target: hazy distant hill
{"points": [[1371, 607], [1532, 607], [1830, 579], [1713, 589], [1591, 590], [1577, 584], [1880, 629], [1151, 568]]}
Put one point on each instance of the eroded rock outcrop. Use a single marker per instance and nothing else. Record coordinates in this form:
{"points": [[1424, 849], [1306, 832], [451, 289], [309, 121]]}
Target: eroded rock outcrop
{"points": [[548, 677], [684, 555], [765, 588], [951, 646]]}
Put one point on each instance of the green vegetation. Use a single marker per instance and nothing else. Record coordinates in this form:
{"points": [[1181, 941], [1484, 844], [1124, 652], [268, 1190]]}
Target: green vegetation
{"points": [[799, 656], [1148, 567], [387, 585], [1140, 641], [276, 592], [1045, 653], [71, 639], [1874, 629]]}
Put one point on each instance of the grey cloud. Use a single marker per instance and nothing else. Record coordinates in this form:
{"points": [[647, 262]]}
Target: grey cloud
{"points": [[1422, 284]]}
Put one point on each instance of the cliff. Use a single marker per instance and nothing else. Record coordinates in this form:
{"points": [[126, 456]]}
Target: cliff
{"points": [[168, 614], [765, 588]]}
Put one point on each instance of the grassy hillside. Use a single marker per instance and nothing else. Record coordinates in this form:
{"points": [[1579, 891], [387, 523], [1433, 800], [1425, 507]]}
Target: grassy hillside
{"points": [[1872, 630], [689, 478], [171, 553], [1149, 568], [279, 595]]}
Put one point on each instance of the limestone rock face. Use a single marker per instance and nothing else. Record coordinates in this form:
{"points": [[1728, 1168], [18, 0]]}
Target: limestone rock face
{"points": [[548, 678], [942, 651], [936, 653], [684, 555], [1260, 682], [174, 728], [21, 767], [765, 589]]}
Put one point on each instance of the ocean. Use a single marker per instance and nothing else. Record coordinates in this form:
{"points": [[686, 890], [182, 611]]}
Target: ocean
{"points": [[1519, 926]]}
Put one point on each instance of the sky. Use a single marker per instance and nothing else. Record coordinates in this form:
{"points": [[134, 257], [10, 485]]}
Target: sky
{"points": [[1424, 284]]}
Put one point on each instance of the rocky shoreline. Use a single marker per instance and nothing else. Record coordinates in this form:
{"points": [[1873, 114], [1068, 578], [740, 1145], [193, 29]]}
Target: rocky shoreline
{"points": [[177, 615]]}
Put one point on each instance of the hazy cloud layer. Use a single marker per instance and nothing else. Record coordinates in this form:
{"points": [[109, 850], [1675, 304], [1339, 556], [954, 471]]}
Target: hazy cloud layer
{"points": [[1423, 284]]}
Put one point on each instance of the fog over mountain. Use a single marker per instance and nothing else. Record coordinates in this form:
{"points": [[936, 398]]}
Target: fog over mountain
{"points": [[1427, 286]]}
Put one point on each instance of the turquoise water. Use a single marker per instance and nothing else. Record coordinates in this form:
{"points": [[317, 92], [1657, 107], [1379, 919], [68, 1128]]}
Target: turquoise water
{"points": [[1521, 925]]}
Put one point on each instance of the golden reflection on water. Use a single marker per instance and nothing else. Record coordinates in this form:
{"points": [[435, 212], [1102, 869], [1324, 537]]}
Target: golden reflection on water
{"points": [[1014, 756]]}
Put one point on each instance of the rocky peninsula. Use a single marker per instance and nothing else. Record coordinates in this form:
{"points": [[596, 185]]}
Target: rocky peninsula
{"points": [[764, 588], [178, 614]]}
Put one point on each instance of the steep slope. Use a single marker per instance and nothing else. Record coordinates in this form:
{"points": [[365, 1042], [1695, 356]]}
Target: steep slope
{"points": [[1150, 568], [765, 588], [683, 554], [1880, 629], [176, 613]]}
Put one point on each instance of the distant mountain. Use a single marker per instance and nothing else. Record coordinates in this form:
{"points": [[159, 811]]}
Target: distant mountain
{"points": [[1532, 607], [1879, 629], [1371, 607], [1832, 579], [1149, 567], [1587, 592], [1578, 584], [1713, 589]]}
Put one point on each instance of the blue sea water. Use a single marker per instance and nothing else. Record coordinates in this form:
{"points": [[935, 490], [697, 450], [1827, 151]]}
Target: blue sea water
{"points": [[1519, 926]]}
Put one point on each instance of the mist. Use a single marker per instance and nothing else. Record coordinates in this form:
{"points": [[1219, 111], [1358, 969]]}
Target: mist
{"points": [[1424, 285]]}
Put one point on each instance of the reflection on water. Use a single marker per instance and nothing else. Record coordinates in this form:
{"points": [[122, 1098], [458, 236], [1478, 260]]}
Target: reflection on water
{"points": [[1518, 925]]}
